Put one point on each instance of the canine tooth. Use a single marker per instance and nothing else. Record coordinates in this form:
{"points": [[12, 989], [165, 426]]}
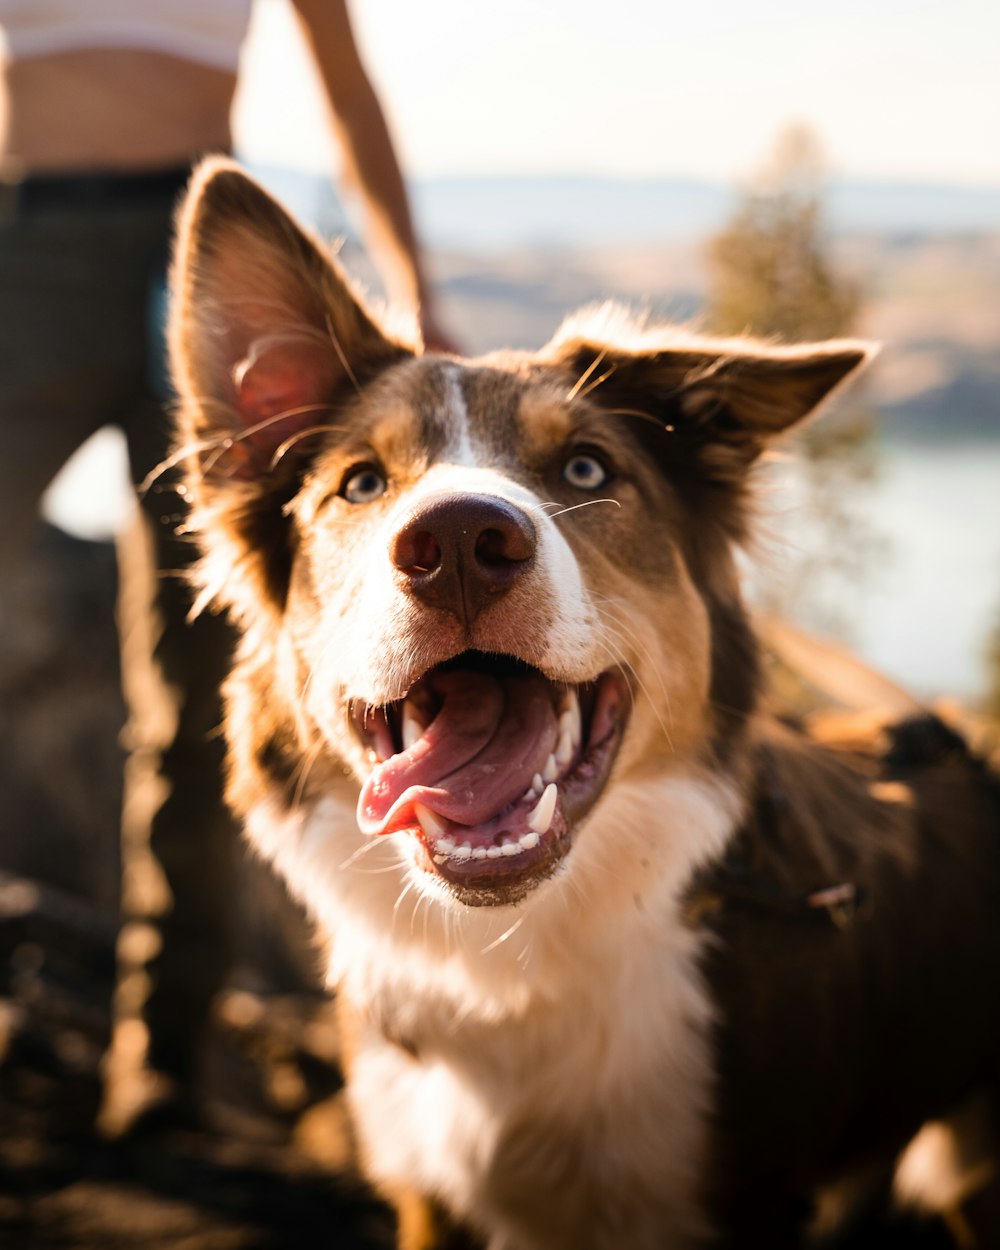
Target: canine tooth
{"points": [[565, 749], [463, 851], [551, 770], [510, 848], [494, 852], [571, 720], [412, 726], [541, 817], [481, 852], [528, 841], [430, 822], [537, 785]]}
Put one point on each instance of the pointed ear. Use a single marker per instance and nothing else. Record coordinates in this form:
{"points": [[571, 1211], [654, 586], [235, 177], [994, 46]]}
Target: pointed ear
{"points": [[723, 398], [265, 332]]}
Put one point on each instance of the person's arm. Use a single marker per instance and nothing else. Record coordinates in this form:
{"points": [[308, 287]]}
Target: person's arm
{"points": [[370, 165]]}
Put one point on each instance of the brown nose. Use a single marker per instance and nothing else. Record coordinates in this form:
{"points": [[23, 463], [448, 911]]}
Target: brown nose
{"points": [[463, 552]]}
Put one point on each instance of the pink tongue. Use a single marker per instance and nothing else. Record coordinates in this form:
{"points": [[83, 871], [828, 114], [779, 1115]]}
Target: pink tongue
{"points": [[477, 756]]}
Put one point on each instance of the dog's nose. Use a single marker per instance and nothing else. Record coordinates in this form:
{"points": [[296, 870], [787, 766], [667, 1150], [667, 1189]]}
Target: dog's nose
{"points": [[463, 552]]}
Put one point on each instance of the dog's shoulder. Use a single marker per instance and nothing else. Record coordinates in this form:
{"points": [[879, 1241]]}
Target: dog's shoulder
{"points": [[855, 801], [851, 921]]}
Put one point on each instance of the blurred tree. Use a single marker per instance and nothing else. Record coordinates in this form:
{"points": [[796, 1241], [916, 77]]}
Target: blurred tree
{"points": [[771, 274], [992, 704]]}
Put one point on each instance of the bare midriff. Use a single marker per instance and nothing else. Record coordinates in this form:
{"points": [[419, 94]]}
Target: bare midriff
{"points": [[111, 110]]}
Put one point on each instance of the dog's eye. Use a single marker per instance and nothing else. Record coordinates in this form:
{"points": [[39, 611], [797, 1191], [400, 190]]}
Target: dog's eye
{"points": [[364, 486], [585, 472]]}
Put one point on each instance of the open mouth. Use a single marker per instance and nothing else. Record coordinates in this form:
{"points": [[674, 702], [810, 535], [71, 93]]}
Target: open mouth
{"points": [[490, 765]]}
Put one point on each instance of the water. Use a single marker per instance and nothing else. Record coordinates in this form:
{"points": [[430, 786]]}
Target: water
{"points": [[927, 618]]}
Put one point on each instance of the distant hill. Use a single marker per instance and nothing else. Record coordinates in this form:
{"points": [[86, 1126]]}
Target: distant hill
{"points": [[512, 256], [496, 214], [508, 212]]}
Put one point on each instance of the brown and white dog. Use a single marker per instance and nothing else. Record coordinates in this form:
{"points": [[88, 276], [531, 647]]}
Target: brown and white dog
{"points": [[624, 964]]}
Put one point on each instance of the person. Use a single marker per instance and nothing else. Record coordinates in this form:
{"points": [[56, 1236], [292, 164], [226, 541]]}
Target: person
{"points": [[104, 106]]}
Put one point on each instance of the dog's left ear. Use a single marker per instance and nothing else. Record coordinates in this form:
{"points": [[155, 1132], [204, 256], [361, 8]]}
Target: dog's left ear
{"points": [[724, 399], [265, 332]]}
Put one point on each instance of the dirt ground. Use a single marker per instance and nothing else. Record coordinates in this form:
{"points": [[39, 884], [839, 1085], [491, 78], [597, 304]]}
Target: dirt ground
{"points": [[271, 1169]]}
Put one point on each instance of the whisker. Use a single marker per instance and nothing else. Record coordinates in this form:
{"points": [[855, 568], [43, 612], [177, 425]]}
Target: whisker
{"points": [[364, 849], [290, 442], [400, 899], [503, 936], [312, 755], [597, 382], [585, 375], [586, 504], [645, 416], [623, 629], [625, 668], [421, 898], [636, 640], [174, 459], [340, 352]]}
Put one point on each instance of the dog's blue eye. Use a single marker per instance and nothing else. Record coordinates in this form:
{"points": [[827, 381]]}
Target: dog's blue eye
{"points": [[364, 486], [585, 472]]}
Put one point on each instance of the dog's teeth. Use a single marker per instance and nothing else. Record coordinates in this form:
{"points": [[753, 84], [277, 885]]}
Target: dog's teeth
{"points": [[463, 851], [537, 786], [481, 852], [565, 750], [541, 817], [445, 845], [412, 727], [510, 848], [551, 770], [430, 822], [440, 859], [528, 841], [570, 720], [494, 852]]}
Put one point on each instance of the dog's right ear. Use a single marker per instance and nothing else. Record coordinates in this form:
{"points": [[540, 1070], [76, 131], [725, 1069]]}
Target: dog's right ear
{"points": [[267, 344], [264, 334]]}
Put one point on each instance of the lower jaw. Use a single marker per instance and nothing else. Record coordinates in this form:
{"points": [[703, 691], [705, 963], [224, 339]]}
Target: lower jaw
{"points": [[503, 894], [475, 886], [504, 882]]}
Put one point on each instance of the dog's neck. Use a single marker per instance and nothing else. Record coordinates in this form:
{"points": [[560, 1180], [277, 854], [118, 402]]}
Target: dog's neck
{"points": [[625, 896]]}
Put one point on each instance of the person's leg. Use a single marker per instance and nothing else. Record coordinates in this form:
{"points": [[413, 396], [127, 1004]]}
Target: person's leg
{"points": [[178, 837], [58, 383]]}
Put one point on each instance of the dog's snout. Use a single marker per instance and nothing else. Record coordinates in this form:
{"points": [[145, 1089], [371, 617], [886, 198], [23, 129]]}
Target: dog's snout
{"points": [[465, 551]]}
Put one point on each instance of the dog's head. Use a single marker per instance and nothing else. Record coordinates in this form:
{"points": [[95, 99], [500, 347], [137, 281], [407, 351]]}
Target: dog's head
{"points": [[480, 588]]}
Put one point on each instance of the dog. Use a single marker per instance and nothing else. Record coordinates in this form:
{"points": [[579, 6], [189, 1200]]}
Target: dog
{"points": [[622, 960]]}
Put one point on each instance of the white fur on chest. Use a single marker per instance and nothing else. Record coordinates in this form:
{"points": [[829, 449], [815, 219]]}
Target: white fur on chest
{"points": [[562, 1069], [588, 1113]]}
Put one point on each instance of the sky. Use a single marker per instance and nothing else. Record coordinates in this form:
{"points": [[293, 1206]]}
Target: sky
{"points": [[646, 88]]}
